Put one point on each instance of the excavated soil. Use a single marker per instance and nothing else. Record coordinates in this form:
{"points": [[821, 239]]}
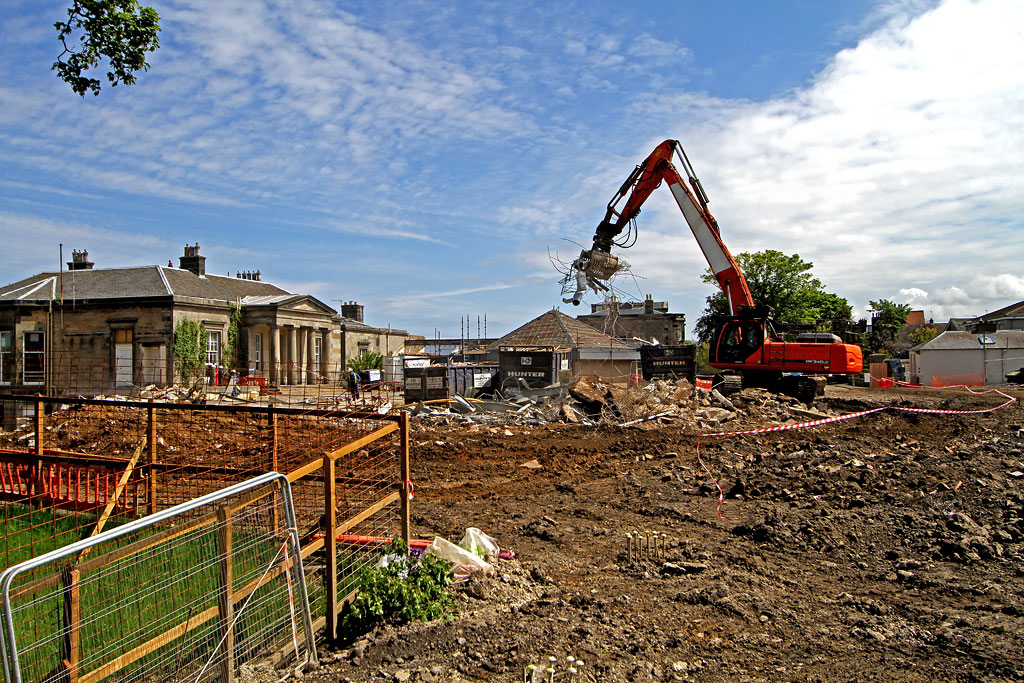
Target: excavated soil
{"points": [[887, 547]]}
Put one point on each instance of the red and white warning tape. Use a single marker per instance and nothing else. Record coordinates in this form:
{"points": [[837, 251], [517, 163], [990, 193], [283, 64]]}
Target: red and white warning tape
{"points": [[840, 418], [850, 416], [801, 425]]}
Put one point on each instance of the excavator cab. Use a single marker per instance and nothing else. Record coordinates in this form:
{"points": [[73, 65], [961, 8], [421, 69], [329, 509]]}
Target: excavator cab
{"points": [[736, 340]]}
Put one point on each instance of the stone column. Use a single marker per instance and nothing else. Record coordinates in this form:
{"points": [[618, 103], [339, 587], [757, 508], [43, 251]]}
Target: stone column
{"points": [[293, 345], [274, 354], [300, 356], [325, 353], [282, 342], [311, 368]]}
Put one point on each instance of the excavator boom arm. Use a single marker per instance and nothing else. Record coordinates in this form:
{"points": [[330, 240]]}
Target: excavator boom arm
{"points": [[743, 342], [654, 170]]}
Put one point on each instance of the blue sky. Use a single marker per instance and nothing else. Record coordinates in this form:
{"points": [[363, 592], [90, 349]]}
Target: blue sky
{"points": [[425, 158]]}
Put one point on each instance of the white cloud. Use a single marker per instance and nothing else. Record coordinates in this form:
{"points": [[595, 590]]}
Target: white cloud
{"points": [[914, 294], [369, 229], [899, 167], [107, 247], [1002, 286], [649, 47]]}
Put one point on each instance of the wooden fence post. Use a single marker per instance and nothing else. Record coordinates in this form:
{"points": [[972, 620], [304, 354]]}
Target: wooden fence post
{"points": [[40, 427], [404, 473], [274, 464], [227, 601], [331, 548], [151, 436], [272, 423]]}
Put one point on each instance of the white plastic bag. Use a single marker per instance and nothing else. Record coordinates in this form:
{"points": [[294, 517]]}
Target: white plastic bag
{"points": [[479, 543], [465, 562]]}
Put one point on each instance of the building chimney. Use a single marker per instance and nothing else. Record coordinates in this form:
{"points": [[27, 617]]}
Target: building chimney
{"points": [[352, 310], [80, 261], [649, 305], [248, 275], [192, 260]]}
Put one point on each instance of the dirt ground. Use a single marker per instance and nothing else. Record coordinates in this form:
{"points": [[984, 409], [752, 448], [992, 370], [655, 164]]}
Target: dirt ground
{"points": [[887, 547]]}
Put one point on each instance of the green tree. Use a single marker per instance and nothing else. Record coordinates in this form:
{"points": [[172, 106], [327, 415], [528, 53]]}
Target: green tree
{"points": [[189, 350], [887, 320], [119, 30], [783, 285], [832, 307], [923, 334]]}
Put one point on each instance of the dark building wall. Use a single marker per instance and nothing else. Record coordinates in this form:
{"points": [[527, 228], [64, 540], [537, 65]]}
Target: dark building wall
{"points": [[80, 340], [646, 320]]}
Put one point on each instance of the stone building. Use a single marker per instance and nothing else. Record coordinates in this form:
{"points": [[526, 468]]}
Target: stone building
{"points": [[578, 348], [96, 330], [649, 320]]}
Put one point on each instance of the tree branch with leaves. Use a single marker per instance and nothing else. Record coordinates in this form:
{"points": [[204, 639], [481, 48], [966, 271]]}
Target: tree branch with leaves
{"points": [[119, 30]]}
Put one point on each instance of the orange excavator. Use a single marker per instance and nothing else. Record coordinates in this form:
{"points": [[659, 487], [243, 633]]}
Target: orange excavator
{"points": [[744, 342]]}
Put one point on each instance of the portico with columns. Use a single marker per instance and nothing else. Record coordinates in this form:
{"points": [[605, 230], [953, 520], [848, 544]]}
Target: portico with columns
{"points": [[292, 339]]}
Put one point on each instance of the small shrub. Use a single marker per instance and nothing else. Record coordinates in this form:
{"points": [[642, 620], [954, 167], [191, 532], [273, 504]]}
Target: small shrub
{"points": [[370, 360], [189, 349], [405, 590]]}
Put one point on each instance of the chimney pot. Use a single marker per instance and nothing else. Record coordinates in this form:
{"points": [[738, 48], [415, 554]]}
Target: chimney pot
{"points": [[192, 261], [80, 261], [352, 310]]}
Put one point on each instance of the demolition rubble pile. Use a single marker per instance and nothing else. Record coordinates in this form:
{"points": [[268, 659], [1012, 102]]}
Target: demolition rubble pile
{"points": [[592, 401]]}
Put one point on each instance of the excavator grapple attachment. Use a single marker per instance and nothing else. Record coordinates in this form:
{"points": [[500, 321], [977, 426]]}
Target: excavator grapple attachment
{"points": [[591, 270], [602, 265]]}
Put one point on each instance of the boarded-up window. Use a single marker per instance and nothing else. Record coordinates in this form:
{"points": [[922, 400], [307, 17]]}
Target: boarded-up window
{"points": [[154, 362], [123, 357]]}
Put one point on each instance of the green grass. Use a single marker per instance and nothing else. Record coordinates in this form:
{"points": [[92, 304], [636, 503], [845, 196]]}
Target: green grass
{"points": [[31, 532]]}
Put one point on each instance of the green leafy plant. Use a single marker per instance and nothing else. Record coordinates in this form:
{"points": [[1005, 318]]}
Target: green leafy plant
{"points": [[235, 354], [189, 349], [783, 284], [887, 319], [402, 591], [119, 30], [370, 360]]}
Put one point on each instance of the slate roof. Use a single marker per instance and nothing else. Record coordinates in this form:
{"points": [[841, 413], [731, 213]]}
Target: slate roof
{"points": [[135, 282], [1012, 311], [955, 341], [958, 324], [556, 329]]}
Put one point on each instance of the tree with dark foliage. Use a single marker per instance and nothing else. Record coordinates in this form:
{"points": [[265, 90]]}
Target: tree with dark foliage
{"points": [[119, 30], [781, 284]]}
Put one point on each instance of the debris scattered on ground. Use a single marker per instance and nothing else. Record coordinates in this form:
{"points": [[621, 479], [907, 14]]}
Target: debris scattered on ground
{"points": [[591, 401]]}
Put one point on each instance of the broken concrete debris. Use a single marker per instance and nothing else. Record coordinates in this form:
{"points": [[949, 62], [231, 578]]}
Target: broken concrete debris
{"points": [[591, 401]]}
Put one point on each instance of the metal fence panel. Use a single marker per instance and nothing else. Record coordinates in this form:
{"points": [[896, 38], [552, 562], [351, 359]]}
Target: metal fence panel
{"points": [[190, 592]]}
